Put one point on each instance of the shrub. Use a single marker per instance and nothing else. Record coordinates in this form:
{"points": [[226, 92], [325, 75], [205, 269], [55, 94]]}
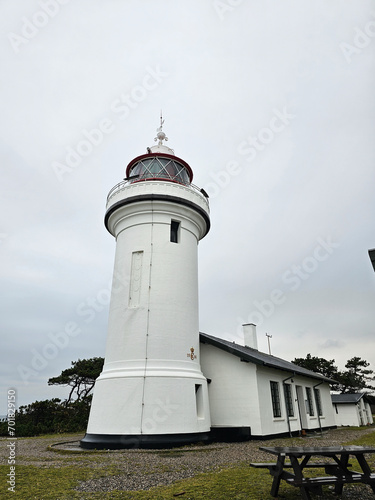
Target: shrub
{"points": [[49, 417]]}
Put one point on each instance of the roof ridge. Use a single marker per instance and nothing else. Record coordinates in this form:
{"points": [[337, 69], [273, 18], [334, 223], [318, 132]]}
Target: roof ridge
{"points": [[261, 358]]}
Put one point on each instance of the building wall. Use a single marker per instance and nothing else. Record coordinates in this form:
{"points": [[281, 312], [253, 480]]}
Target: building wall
{"points": [[353, 414], [233, 392], [368, 411], [301, 418], [240, 395], [346, 414]]}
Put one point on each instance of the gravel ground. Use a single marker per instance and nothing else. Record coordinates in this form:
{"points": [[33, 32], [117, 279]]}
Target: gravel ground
{"points": [[143, 469]]}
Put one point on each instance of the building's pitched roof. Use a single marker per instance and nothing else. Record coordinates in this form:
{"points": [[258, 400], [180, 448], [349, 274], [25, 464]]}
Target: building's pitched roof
{"points": [[260, 358], [347, 398], [372, 257]]}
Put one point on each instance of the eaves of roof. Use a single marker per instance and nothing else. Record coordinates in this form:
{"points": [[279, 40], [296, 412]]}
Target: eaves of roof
{"points": [[347, 398], [261, 358]]}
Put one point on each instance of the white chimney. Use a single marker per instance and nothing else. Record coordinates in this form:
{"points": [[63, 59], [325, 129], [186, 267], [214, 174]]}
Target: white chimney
{"points": [[250, 335]]}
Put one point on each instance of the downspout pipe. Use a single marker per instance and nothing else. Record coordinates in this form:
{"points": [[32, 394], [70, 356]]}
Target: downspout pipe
{"points": [[317, 407], [286, 403]]}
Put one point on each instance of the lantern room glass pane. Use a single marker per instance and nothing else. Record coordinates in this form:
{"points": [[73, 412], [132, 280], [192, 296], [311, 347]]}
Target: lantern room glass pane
{"points": [[135, 170], [147, 161], [160, 168]]}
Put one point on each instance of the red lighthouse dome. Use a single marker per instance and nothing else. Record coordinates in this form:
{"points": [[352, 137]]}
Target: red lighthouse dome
{"points": [[160, 163]]}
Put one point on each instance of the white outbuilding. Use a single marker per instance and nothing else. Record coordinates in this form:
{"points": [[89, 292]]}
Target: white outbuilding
{"points": [[352, 409], [254, 395]]}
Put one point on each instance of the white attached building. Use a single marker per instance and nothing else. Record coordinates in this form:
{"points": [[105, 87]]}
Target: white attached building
{"points": [[352, 409], [253, 394]]}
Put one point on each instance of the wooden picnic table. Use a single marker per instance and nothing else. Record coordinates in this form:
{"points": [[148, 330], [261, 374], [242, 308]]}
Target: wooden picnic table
{"points": [[299, 459]]}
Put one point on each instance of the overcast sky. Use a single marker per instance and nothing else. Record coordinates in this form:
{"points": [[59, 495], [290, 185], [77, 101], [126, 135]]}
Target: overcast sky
{"points": [[272, 105]]}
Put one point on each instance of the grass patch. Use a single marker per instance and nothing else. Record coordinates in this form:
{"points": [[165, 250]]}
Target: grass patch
{"points": [[41, 483], [236, 482], [365, 440]]}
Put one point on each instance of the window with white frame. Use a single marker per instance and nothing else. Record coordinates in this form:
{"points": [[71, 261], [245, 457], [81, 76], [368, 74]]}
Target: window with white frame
{"points": [[318, 401], [289, 400], [310, 404], [275, 395]]}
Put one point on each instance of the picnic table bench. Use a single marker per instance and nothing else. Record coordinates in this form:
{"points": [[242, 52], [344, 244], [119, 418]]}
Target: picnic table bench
{"points": [[299, 459]]}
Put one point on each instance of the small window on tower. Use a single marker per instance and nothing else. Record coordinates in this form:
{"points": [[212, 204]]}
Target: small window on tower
{"points": [[175, 231], [199, 400]]}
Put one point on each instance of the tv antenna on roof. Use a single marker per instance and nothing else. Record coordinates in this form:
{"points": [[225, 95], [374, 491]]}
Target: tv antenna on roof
{"points": [[269, 345]]}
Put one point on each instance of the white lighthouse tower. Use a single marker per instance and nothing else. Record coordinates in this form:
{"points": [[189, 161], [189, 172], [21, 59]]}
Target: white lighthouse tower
{"points": [[151, 392]]}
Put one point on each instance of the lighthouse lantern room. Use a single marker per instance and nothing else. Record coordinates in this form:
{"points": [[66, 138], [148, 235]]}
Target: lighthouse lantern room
{"points": [[151, 392]]}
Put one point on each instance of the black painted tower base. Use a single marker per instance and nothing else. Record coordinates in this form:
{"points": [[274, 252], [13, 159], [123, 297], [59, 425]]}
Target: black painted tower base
{"points": [[158, 441]]}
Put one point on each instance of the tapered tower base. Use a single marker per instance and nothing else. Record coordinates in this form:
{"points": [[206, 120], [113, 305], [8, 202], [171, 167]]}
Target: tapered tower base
{"points": [[152, 441]]}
